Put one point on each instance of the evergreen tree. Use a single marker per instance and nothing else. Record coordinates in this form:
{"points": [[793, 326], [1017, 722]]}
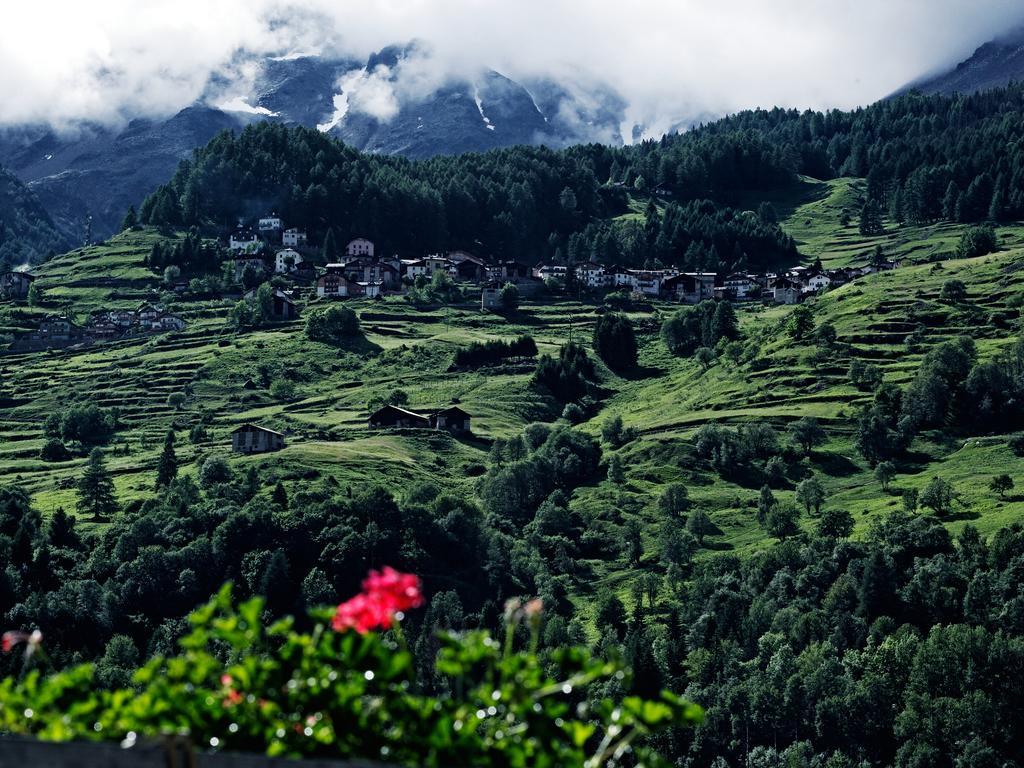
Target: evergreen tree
{"points": [[280, 496], [167, 465], [329, 251], [130, 220], [96, 489], [870, 219]]}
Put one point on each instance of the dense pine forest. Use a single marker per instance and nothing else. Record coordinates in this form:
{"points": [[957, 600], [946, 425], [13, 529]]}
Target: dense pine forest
{"points": [[799, 517], [925, 159]]}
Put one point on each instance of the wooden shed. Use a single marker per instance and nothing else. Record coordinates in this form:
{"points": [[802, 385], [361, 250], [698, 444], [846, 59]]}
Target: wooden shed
{"points": [[250, 438]]}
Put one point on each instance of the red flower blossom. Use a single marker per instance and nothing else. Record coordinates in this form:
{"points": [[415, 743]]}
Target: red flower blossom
{"points": [[385, 593], [399, 591]]}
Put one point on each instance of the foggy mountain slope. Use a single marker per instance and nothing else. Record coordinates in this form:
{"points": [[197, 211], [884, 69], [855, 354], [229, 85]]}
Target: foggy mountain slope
{"points": [[994, 64], [98, 171]]}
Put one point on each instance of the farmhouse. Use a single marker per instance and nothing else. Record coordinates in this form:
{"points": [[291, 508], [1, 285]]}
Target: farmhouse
{"points": [[294, 238], [553, 271], [785, 291], [286, 261], [359, 247], [15, 285], [593, 275], [451, 419], [463, 265], [510, 270], [391, 416], [336, 285], [250, 438], [58, 328], [811, 282], [372, 270], [270, 224], [282, 306], [741, 286], [249, 261], [243, 241]]}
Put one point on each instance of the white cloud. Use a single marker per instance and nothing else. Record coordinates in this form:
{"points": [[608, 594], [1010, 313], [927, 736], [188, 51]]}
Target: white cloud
{"points": [[107, 60]]}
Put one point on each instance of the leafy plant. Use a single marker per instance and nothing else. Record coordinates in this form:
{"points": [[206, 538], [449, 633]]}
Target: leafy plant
{"points": [[238, 684]]}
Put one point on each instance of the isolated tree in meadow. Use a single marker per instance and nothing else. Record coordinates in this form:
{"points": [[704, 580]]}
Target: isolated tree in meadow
{"points": [[611, 431], [167, 465], [615, 471], [954, 290], [705, 357], [806, 432], [938, 496], [35, 295], [782, 521], [811, 494], [280, 496], [674, 500], [96, 489], [910, 500], [835, 524], [614, 341], [724, 323], [801, 322], [765, 504], [1001, 484], [700, 525], [884, 474], [632, 541]]}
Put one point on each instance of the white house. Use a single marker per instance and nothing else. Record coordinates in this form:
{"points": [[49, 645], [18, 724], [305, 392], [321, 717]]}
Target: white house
{"points": [[293, 238], [243, 240], [740, 285], [814, 281], [271, 223], [286, 261], [553, 271], [592, 275], [359, 247]]}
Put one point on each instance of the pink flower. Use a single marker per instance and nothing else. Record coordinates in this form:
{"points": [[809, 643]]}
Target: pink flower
{"points": [[363, 613], [398, 591], [385, 593]]}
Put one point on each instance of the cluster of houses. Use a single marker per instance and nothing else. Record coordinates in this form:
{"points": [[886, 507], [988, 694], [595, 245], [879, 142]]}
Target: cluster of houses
{"points": [[788, 287], [60, 330], [365, 273]]}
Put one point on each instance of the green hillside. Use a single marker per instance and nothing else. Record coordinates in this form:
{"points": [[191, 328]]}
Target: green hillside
{"points": [[225, 379]]}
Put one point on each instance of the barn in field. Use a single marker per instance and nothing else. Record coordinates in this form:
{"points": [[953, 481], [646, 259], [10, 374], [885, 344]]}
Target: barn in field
{"points": [[452, 419], [250, 438]]}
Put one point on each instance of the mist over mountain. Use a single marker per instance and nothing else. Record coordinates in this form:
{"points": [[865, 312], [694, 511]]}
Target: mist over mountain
{"points": [[93, 172], [994, 64]]}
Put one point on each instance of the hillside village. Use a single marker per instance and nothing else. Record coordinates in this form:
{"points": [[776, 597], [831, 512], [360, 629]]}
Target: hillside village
{"points": [[269, 250]]}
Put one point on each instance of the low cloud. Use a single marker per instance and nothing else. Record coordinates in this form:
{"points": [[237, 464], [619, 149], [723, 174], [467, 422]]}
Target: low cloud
{"points": [[672, 61]]}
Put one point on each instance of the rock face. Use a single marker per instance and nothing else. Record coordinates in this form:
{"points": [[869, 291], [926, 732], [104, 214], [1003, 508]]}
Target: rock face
{"points": [[94, 172], [994, 64]]}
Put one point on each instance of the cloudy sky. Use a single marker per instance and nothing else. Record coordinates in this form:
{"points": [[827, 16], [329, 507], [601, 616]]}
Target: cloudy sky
{"points": [[105, 60]]}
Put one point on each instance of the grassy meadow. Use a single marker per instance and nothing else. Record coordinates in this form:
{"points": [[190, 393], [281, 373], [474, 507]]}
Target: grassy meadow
{"points": [[226, 379]]}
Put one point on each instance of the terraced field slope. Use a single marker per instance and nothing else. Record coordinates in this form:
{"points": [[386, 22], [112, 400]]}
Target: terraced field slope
{"points": [[225, 378]]}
